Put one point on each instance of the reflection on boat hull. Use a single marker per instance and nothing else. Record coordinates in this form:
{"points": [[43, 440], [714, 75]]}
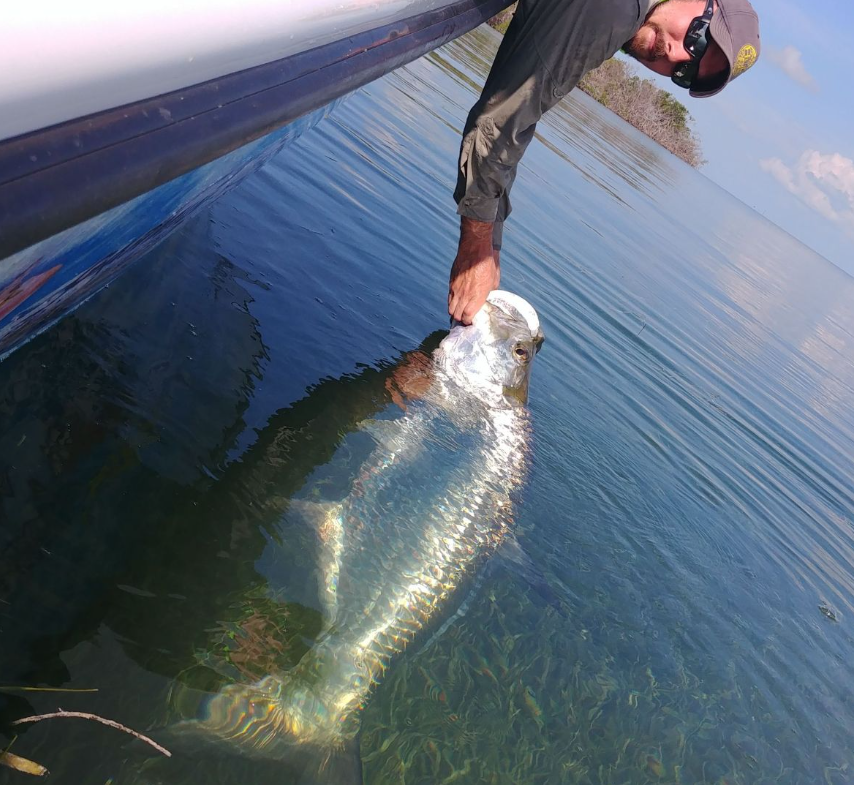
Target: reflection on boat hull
{"points": [[54, 276], [85, 197]]}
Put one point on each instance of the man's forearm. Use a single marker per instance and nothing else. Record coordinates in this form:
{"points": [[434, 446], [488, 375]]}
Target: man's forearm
{"points": [[475, 272], [475, 235]]}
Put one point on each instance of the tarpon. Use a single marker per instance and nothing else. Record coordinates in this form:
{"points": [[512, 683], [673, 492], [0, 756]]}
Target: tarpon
{"points": [[431, 501]]}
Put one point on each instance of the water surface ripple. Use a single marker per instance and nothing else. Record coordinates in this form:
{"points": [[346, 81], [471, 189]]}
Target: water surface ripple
{"points": [[683, 610]]}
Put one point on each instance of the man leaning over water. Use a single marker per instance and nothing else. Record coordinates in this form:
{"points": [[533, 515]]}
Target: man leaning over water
{"points": [[550, 44]]}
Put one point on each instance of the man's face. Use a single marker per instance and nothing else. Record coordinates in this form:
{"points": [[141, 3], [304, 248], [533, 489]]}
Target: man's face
{"points": [[660, 43]]}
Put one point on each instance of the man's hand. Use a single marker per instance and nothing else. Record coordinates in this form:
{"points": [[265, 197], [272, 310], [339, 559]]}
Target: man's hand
{"points": [[476, 270]]}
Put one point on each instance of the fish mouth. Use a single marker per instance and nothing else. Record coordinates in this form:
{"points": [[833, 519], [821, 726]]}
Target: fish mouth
{"points": [[517, 396], [518, 308], [518, 380]]}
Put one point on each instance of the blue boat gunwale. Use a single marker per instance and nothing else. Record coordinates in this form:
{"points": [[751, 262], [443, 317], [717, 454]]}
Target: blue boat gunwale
{"points": [[58, 177]]}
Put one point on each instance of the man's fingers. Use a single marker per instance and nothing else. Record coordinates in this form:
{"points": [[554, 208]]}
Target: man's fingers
{"points": [[459, 309], [463, 305], [468, 315], [459, 313], [464, 310], [469, 286], [453, 305]]}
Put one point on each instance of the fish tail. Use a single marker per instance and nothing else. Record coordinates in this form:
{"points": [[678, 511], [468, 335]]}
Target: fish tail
{"points": [[254, 717], [277, 721]]}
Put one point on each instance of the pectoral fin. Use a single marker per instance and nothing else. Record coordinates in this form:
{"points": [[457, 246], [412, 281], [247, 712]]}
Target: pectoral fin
{"points": [[522, 566]]}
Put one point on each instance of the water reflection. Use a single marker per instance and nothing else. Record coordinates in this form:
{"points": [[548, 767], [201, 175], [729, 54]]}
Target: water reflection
{"points": [[689, 502], [224, 536], [97, 439], [154, 566], [111, 424]]}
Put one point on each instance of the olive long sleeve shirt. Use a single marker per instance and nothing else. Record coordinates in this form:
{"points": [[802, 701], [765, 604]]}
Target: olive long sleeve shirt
{"points": [[548, 47]]}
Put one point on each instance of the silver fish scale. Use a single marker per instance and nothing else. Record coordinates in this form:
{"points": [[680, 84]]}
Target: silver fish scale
{"points": [[433, 498]]}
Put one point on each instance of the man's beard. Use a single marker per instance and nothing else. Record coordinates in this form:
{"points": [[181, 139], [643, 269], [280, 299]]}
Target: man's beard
{"points": [[638, 49]]}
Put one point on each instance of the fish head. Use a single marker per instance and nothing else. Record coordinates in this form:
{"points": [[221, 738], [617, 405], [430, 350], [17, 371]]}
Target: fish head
{"points": [[491, 358]]}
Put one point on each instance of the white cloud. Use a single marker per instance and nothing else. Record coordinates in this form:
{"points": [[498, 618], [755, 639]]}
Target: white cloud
{"points": [[788, 59], [775, 167], [824, 182], [812, 26]]}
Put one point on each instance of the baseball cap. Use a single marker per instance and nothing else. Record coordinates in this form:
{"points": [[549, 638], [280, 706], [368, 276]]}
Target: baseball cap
{"points": [[735, 29]]}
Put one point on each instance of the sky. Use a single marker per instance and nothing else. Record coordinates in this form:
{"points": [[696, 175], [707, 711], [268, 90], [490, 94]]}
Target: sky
{"points": [[781, 136]]}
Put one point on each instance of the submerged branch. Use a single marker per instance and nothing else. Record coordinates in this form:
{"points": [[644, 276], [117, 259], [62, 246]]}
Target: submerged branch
{"points": [[86, 716], [15, 688]]}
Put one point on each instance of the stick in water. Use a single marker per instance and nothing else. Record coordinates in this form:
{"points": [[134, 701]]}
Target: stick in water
{"points": [[86, 716], [16, 688]]}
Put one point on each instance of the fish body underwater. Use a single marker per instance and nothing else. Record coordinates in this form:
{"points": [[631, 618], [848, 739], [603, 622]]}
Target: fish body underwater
{"points": [[431, 501]]}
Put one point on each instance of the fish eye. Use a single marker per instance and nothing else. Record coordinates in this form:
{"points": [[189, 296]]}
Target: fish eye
{"points": [[521, 352]]}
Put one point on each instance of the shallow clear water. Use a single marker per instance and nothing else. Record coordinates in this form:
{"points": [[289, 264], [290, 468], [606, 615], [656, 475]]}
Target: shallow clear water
{"points": [[683, 611]]}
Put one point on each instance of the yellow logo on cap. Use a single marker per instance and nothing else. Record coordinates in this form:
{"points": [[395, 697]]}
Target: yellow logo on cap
{"points": [[746, 58]]}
